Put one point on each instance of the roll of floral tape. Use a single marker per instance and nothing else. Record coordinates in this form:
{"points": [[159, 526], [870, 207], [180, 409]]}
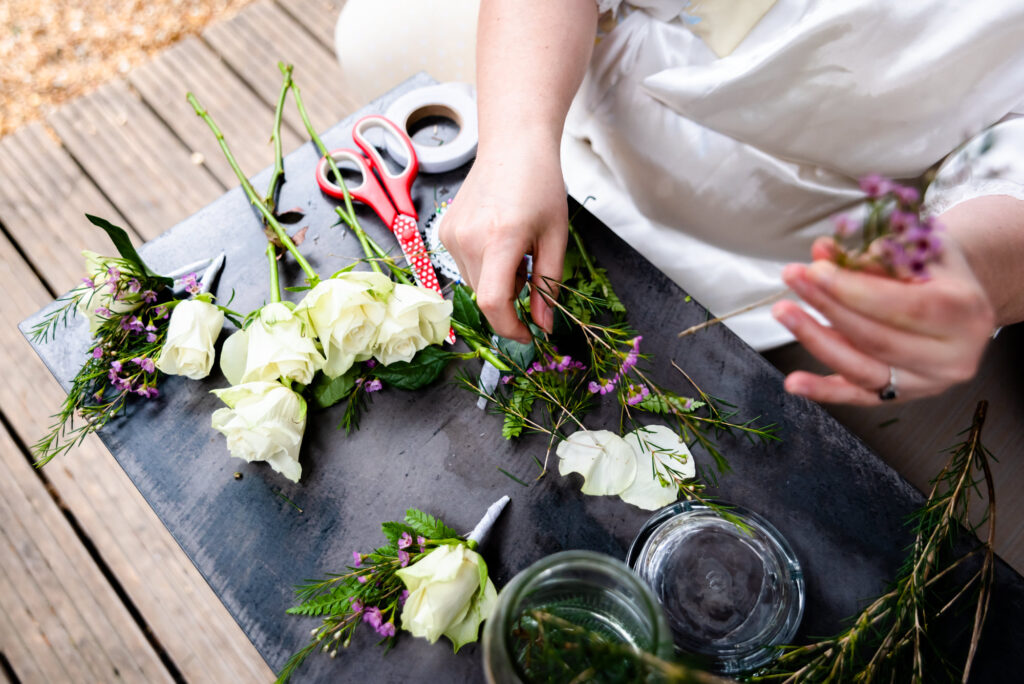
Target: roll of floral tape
{"points": [[455, 101]]}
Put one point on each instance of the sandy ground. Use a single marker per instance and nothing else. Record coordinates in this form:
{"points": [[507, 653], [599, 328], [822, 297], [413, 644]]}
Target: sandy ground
{"points": [[52, 51]]}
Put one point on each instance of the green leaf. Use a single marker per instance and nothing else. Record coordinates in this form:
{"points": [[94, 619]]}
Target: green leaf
{"points": [[520, 405], [426, 367], [520, 354], [466, 312], [333, 602], [393, 530], [428, 526], [125, 248], [481, 566], [328, 391]]}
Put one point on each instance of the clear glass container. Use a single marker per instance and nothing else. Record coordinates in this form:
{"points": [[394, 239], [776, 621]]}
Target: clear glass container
{"points": [[731, 593], [574, 591]]}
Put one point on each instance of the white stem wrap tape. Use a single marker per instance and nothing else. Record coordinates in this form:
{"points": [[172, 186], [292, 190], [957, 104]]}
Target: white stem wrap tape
{"points": [[487, 522], [455, 101]]}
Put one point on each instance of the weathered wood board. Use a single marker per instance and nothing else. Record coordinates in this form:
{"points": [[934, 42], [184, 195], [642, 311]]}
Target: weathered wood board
{"points": [[841, 508]]}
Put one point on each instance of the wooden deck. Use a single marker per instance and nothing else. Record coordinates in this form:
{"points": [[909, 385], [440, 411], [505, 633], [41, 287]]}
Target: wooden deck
{"points": [[92, 587]]}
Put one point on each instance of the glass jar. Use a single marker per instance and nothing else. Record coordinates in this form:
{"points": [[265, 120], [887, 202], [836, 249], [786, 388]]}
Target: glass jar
{"points": [[732, 590], [576, 595]]}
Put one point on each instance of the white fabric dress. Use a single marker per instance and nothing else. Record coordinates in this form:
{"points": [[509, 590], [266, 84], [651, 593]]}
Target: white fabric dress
{"points": [[721, 170]]}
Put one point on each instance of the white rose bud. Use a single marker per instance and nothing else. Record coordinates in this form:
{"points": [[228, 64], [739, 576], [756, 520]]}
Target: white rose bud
{"points": [[191, 333], [344, 313], [416, 318], [276, 345], [95, 305], [444, 595], [264, 422]]}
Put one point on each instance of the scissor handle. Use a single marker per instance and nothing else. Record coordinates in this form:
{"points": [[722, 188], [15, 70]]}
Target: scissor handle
{"points": [[399, 185], [368, 191]]}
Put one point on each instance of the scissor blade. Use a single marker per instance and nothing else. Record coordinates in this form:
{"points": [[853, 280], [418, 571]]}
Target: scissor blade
{"points": [[415, 251]]}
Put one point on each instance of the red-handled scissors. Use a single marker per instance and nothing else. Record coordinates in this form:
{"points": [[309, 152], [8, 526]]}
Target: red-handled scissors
{"points": [[387, 193]]}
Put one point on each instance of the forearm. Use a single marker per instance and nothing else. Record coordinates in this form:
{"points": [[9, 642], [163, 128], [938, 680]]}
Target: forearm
{"points": [[990, 231], [531, 57]]}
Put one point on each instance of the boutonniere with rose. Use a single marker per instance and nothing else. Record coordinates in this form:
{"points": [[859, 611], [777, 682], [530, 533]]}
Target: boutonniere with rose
{"points": [[427, 580], [142, 325]]}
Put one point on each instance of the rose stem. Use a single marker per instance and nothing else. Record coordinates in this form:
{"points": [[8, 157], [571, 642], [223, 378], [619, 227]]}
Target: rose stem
{"points": [[251, 192]]}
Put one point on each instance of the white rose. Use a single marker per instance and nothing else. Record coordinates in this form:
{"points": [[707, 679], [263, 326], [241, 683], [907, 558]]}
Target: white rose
{"points": [[416, 318], [92, 304], [264, 422], [657, 450], [191, 333], [276, 345], [344, 313], [605, 461], [444, 595]]}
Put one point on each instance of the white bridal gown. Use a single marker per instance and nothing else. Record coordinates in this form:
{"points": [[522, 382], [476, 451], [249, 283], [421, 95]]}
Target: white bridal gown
{"points": [[721, 168]]}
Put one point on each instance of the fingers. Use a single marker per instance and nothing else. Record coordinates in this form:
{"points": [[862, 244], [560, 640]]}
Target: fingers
{"points": [[547, 275], [929, 308], [830, 389], [495, 293], [893, 346], [829, 347]]}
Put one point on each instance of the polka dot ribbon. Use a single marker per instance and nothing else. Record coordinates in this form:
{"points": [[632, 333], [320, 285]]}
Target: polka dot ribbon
{"points": [[409, 239]]}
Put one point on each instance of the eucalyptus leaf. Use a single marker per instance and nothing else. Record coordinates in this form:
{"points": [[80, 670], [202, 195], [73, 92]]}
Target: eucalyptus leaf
{"points": [[426, 367], [521, 355]]}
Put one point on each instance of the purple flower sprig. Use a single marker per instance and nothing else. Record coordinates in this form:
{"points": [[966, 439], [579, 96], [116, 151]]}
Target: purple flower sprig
{"points": [[369, 593], [131, 315], [895, 238]]}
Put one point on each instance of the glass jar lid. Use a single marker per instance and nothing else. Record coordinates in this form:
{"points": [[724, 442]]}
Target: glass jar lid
{"points": [[732, 590]]}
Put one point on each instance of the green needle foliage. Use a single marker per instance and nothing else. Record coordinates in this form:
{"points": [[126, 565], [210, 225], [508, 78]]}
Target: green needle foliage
{"points": [[549, 389], [892, 640], [370, 592]]}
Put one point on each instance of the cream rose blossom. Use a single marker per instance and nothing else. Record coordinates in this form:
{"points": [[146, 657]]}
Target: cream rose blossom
{"points": [[264, 421], [277, 345], [191, 334], [416, 317], [344, 312], [97, 305], [445, 596]]}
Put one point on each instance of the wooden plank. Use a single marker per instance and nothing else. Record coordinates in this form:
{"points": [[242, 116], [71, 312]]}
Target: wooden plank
{"points": [[913, 437], [134, 158], [24, 642], [245, 120], [52, 562], [260, 36], [175, 601], [43, 197], [316, 16]]}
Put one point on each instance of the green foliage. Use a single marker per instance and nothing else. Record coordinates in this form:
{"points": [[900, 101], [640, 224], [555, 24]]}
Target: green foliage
{"points": [[667, 404], [521, 403], [124, 247], [428, 526], [426, 367], [327, 391], [893, 638], [465, 310], [341, 600]]}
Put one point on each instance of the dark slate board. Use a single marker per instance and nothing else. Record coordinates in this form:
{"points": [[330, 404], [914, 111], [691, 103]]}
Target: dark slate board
{"points": [[840, 506]]}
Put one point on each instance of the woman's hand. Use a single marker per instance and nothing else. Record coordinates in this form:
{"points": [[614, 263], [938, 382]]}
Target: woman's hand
{"points": [[932, 333], [510, 205]]}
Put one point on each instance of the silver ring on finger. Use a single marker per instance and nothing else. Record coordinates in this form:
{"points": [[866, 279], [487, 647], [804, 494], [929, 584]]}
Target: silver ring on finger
{"points": [[890, 391]]}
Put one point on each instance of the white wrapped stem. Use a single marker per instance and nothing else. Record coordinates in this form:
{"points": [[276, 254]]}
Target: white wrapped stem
{"points": [[487, 522]]}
